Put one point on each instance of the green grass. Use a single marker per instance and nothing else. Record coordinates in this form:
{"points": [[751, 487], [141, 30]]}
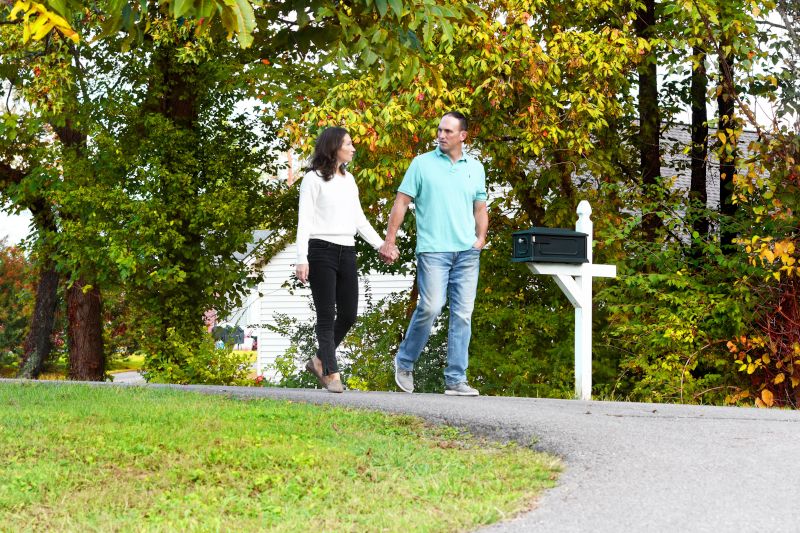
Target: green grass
{"points": [[126, 364], [78, 458]]}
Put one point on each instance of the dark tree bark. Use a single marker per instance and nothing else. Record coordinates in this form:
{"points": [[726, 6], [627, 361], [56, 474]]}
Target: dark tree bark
{"points": [[649, 116], [727, 161], [699, 153], [85, 333], [39, 342]]}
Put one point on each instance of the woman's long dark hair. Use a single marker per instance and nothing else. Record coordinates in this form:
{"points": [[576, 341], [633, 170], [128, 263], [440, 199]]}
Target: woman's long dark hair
{"points": [[323, 160]]}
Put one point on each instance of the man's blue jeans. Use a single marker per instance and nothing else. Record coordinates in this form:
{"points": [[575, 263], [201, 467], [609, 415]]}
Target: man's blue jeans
{"points": [[442, 276]]}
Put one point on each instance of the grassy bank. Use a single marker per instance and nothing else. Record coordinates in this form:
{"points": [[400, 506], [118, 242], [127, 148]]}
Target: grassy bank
{"points": [[120, 459]]}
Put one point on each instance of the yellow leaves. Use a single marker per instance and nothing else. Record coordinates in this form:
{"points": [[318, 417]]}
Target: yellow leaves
{"points": [[734, 398], [767, 398], [38, 21], [780, 378], [766, 251]]}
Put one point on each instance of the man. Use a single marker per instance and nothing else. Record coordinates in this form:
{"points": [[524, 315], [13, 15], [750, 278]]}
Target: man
{"points": [[448, 188]]}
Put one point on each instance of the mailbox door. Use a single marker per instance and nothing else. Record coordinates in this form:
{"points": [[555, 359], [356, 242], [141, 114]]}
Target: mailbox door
{"points": [[555, 248]]}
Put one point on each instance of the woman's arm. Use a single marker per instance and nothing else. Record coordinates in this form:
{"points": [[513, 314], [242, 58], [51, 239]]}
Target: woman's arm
{"points": [[305, 219]]}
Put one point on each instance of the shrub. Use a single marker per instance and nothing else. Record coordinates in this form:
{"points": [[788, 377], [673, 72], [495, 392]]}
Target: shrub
{"points": [[200, 363]]}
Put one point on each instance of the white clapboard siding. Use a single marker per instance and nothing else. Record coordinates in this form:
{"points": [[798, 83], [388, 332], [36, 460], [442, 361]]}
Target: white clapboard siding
{"points": [[276, 299]]}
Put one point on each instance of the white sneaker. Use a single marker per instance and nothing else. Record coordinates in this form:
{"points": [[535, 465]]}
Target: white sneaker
{"points": [[403, 378], [460, 389]]}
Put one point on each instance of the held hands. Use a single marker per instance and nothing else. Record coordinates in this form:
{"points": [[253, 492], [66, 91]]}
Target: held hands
{"points": [[301, 271], [388, 252]]}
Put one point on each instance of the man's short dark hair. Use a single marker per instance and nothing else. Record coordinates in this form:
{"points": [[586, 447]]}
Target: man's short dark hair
{"points": [[462, 120]]}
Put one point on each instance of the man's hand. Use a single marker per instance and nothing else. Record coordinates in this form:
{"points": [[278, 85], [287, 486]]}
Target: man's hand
{"points": [[301, 271], [479, 244], [388, 250]]}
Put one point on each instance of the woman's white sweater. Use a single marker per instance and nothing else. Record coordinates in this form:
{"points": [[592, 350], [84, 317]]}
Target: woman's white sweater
{"points": [[331, 211]]}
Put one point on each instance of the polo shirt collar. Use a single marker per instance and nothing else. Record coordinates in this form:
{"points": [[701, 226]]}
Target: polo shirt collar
{"points": [[442, 154]]}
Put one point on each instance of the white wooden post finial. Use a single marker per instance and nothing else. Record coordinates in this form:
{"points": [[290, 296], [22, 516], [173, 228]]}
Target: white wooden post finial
{"points": [[585, 225]]}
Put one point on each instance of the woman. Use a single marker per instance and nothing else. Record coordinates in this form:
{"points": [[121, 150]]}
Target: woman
{"points": [[330, 216]]}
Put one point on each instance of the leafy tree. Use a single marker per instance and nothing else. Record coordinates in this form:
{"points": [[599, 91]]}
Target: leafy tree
{"points": [[175, 141], [16, 302], [27, 162]]}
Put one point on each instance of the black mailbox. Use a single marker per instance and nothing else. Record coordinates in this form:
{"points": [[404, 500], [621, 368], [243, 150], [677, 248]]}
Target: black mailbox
{"points": [[549, 245]]}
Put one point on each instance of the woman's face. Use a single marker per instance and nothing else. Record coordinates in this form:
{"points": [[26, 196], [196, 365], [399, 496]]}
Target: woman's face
{"points": [[346, 151]]}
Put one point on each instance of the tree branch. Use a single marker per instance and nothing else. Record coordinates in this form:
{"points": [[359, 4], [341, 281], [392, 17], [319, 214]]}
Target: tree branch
{"points": [[10, 175]]}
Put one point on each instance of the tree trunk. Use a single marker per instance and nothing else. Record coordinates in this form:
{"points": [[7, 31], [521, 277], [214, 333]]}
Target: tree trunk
{"points": [[85, 333], [84, 310], [699, 153], [727, 159], [649, 118], [39, 343]]}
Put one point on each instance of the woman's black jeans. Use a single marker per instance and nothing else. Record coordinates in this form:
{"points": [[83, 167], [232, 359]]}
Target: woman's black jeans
{"points": [[334, 287]]}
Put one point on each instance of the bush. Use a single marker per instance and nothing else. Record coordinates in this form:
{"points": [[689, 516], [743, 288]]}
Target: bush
{"points": [[16, 305], [676, 302], [200, 363]]}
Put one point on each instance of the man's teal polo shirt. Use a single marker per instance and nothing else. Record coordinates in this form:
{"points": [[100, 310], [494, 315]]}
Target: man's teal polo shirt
{"points": [[444, 193]]}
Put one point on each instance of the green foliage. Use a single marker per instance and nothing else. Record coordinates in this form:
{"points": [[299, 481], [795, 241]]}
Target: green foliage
{"points": [[16, 302], [187, 361], [302, 346], [56, 20], [768, 352], [673, 307]]}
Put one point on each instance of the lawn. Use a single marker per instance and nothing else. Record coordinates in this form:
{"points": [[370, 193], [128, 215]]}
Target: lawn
{"points": [[125, 364], [80, 458]]}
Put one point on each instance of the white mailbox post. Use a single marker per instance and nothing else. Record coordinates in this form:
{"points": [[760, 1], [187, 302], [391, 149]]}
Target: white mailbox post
{"points": [[576, 283]]}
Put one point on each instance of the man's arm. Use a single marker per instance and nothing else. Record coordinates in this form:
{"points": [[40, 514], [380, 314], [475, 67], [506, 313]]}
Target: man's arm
{"points": [[396, 216], [481, 223]]}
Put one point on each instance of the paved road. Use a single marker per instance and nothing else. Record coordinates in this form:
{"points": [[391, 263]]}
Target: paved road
{"points": [[629, 466], [129, 378]]}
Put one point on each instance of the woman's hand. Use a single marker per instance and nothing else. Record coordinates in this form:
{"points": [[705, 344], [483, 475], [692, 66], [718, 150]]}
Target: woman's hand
{"points": [[388, 252], [301, 271]]}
